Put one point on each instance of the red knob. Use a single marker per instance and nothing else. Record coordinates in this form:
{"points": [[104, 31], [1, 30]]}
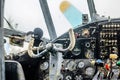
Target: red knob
{"points": [[107, 66]]}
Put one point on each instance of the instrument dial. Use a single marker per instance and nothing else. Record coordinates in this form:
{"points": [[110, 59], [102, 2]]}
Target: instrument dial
{"points": [[71, 65], [78, 77], [81, 64], [89, 71], [68, 77], [44, 66], [76, 51]]}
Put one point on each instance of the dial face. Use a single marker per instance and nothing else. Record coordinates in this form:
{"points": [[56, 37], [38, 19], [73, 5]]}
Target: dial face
{"points": [[87, 44], [89, 71], [71, 65], [81, 64], [44, 66], [68, 77], [76, 51], [78, 77]]}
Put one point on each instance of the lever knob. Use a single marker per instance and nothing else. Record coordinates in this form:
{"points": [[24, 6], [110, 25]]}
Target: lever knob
{"points": [[107, 66], [118, 63], [113, 56], [99, 63]]}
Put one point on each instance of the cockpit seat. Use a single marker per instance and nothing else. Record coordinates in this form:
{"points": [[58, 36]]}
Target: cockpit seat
{"points": [[13, 70]]}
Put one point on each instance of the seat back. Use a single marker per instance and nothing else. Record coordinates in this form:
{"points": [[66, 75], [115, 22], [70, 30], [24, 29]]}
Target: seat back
{"points": [[13, 70]]}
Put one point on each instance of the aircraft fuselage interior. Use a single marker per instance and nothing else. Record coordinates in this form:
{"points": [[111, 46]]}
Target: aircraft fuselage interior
{"points": [[88, 52]]}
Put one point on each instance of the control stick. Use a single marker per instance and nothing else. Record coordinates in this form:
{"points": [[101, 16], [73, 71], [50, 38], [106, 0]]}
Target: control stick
{"points": [[50, 46]]}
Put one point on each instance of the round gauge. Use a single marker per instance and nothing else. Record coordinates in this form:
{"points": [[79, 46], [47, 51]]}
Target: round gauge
{"points": [[76, 51], [71, 65], [81, 64], [89, 71], [85, 33], [44, 66], [89, 54], [87, 44], [78, 77], [68, 77]]}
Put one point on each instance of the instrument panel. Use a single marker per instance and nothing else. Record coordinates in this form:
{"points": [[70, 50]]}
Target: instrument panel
{"points": [[94, 40], [96, 52]]}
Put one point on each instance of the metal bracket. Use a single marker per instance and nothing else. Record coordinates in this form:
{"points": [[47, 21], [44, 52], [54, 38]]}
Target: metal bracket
{"points": [[48, 19], [55, 64]]}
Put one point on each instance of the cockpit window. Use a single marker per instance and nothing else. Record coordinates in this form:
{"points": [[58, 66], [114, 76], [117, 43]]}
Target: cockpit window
{"points": [[108, 8], [67, 13], [24, 15]]}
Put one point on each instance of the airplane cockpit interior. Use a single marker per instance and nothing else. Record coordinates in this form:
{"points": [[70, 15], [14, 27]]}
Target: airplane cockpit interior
{"points": [[65, 40]]}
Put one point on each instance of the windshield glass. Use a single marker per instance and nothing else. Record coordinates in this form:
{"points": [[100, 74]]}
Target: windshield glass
{"points": [[67, 13], [25, 15], [108, 8]]}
